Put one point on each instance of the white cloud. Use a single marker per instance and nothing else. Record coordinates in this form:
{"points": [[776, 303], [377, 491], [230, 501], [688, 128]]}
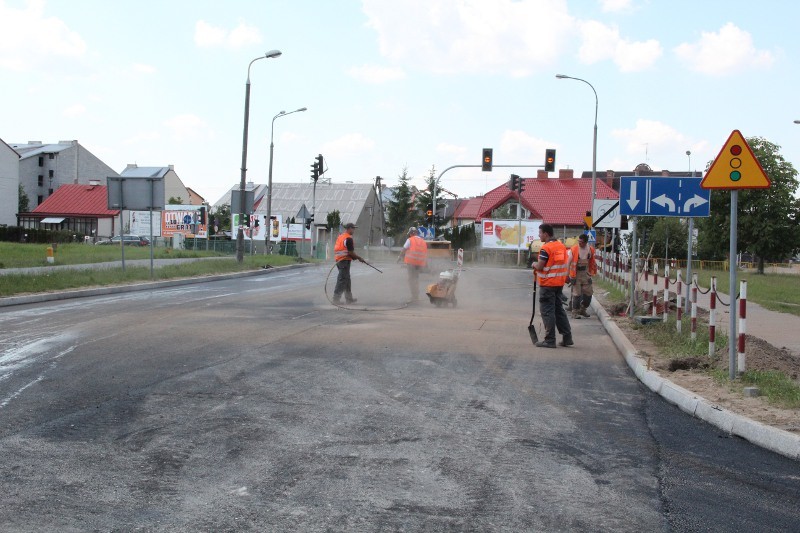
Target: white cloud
{"points": [[288, 137], [29, 39], [661, 145], [519, 147], [208, 36], [349, 145], [142, 68], [376, 73], [188, 127], [75, 110], [143, 137], [601, 42], [726, 52], [447, 148], [453, 36]]}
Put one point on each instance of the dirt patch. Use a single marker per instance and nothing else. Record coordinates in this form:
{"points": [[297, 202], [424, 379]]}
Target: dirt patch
{"points": [[694, 374]]}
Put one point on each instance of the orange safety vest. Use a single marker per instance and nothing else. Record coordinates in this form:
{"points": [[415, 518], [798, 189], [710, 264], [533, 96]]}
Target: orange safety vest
{"points": [[417, 252], [573, 266], [554, 273], [340, 252]]}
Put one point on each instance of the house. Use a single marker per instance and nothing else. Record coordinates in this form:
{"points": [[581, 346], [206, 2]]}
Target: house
{"points": [[612, 177], [43, 168], [561, 202], [173, 186], [194, 198], [259, 193], [467, 211], [75, 207], [9, 184]]}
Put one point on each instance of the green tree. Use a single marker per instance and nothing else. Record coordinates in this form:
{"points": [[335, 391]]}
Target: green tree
{"points": [[424, 198], [502, 213], [400, 210], [768, 219], [334, 220], [221, 218], [24, 202], [175, 200]]}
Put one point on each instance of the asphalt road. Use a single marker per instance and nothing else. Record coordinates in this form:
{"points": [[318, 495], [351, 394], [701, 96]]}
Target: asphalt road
{"points": [[253, 404]]}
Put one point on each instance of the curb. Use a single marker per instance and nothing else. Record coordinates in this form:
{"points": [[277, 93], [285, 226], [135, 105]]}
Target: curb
{"points": [[117, 289], [768, 437]]}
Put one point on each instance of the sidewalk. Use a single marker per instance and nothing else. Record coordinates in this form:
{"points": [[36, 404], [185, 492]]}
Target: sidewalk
{"points": [[31, 271]]}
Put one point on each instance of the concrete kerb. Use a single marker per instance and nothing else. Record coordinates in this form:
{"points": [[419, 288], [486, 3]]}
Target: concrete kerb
{"points": [[149, 285], [768, 437]]}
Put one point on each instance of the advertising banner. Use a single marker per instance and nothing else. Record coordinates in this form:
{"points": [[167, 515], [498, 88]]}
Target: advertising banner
{"points": [[506, 234], [278, 230], [182, 219], [139, 222]]}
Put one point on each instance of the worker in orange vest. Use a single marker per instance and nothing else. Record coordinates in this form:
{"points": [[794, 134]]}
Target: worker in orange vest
{"points": [[582, 266], [551, 272], [345, 252], [415, 256]]}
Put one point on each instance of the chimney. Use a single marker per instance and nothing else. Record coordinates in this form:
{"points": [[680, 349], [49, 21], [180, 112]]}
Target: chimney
{"points": [[94, 183], [130, 166], [36, 143], [565, 173], [171, 167], [541, 174], [610, 178]]}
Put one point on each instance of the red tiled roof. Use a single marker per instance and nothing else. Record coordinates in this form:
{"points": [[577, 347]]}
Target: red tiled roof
{"points": [[469, 208], [77, 200], [555, 201]]}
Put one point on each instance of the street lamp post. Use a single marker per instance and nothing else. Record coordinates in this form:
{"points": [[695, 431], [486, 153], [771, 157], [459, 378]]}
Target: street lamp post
{"points": [[594, 143], [243, 182], [689, 252], [268, 222]]}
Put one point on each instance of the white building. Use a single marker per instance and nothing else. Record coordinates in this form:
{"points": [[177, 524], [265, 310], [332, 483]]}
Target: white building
{"points": [[9, 184], [43, 168]]}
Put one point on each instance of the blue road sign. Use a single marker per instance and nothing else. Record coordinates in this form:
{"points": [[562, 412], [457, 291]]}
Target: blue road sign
{"points": [[655, 196], [592, 234]]}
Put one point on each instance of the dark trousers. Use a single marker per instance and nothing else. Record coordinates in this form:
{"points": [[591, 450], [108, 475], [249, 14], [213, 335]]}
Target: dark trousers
{"points": [[343, 281], [553, 314]]}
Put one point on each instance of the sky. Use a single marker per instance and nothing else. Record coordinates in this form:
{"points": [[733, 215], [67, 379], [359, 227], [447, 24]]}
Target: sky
{"points": [[399, 84]]}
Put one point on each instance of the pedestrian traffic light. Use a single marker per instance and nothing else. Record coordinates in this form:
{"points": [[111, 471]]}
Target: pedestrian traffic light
{"points": [[550, 160], [513, 183], [201, 215], [246, 220], [320, 168], [486, 162], [308, 223], [315, 171]]}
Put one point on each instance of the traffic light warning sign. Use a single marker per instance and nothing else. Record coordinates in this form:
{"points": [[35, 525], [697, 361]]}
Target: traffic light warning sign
{"points": [[736, 167]]}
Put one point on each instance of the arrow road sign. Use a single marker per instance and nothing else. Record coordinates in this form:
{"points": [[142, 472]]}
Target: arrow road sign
{"points": [[663, 197]]}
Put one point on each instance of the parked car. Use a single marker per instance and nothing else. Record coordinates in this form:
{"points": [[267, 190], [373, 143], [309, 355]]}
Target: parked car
{"points": [[130, 240]]}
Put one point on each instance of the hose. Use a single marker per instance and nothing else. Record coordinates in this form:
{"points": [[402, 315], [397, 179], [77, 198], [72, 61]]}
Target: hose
{"points": [[340, 306]]}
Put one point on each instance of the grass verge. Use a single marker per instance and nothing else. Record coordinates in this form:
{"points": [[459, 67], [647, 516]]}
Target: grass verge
{"points": [[776, 292], [18, 284], [776, 386]]}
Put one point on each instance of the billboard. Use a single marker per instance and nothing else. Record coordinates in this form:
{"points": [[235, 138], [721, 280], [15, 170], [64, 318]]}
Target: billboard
{"points": [[139, 222], [182, 219], [278, 230], [507, 234]]}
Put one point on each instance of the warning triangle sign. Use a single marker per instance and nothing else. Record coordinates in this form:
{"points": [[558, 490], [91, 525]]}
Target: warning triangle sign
{"points": [[736, 167]]}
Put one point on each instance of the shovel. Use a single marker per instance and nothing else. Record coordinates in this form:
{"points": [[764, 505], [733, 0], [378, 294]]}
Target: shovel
{"points": [[531, 327]]}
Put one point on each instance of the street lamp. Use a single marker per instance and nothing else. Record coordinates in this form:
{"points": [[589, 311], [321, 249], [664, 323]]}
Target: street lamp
{"points": [[689, 253], [243, 182], [594, 144], [268, 222], [797, 121]]}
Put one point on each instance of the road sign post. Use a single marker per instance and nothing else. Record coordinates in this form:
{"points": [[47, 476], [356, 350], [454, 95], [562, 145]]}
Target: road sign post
{"points": [[736, 167]]}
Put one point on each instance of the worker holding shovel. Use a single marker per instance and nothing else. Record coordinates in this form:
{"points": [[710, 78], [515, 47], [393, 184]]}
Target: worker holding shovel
{"points": [[551, 275]]}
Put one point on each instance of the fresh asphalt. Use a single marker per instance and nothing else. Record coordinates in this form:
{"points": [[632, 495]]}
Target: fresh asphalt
{"points": [[253, 404]]}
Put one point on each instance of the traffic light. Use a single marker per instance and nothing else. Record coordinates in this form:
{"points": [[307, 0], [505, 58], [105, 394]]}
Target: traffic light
{"points": [[486, 162], [320, 167], [309, 220], [246, 220], [201, 215], [521, 186], [255, 222], [550, 160], [513, 183], [429, 214]]}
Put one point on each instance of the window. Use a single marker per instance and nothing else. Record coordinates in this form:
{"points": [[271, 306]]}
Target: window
{"points": [[39, 199], [52, 173], [49, 192], [52, 156], [41, 180], [41, 161]]}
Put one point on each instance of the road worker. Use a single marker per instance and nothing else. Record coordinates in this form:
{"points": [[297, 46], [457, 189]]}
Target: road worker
{"points": [[582, 266], [415, 256], [551, 273], [345, 252]]}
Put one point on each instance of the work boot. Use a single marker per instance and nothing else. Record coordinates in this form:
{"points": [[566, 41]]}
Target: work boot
{"points": [[352, 300], [566, 341], [583, 312], [336, 300], [576, 313], [545, 344]]}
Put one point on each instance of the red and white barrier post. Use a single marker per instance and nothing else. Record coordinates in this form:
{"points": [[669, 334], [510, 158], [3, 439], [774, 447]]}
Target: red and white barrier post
{"points": [[679, 301], [712, 318], [666, 292], [694, 307], [742, 323], [655, 289]]}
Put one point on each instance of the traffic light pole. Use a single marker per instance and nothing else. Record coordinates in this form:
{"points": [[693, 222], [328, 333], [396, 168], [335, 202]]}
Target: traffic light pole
{"points": [[436, 182]]}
